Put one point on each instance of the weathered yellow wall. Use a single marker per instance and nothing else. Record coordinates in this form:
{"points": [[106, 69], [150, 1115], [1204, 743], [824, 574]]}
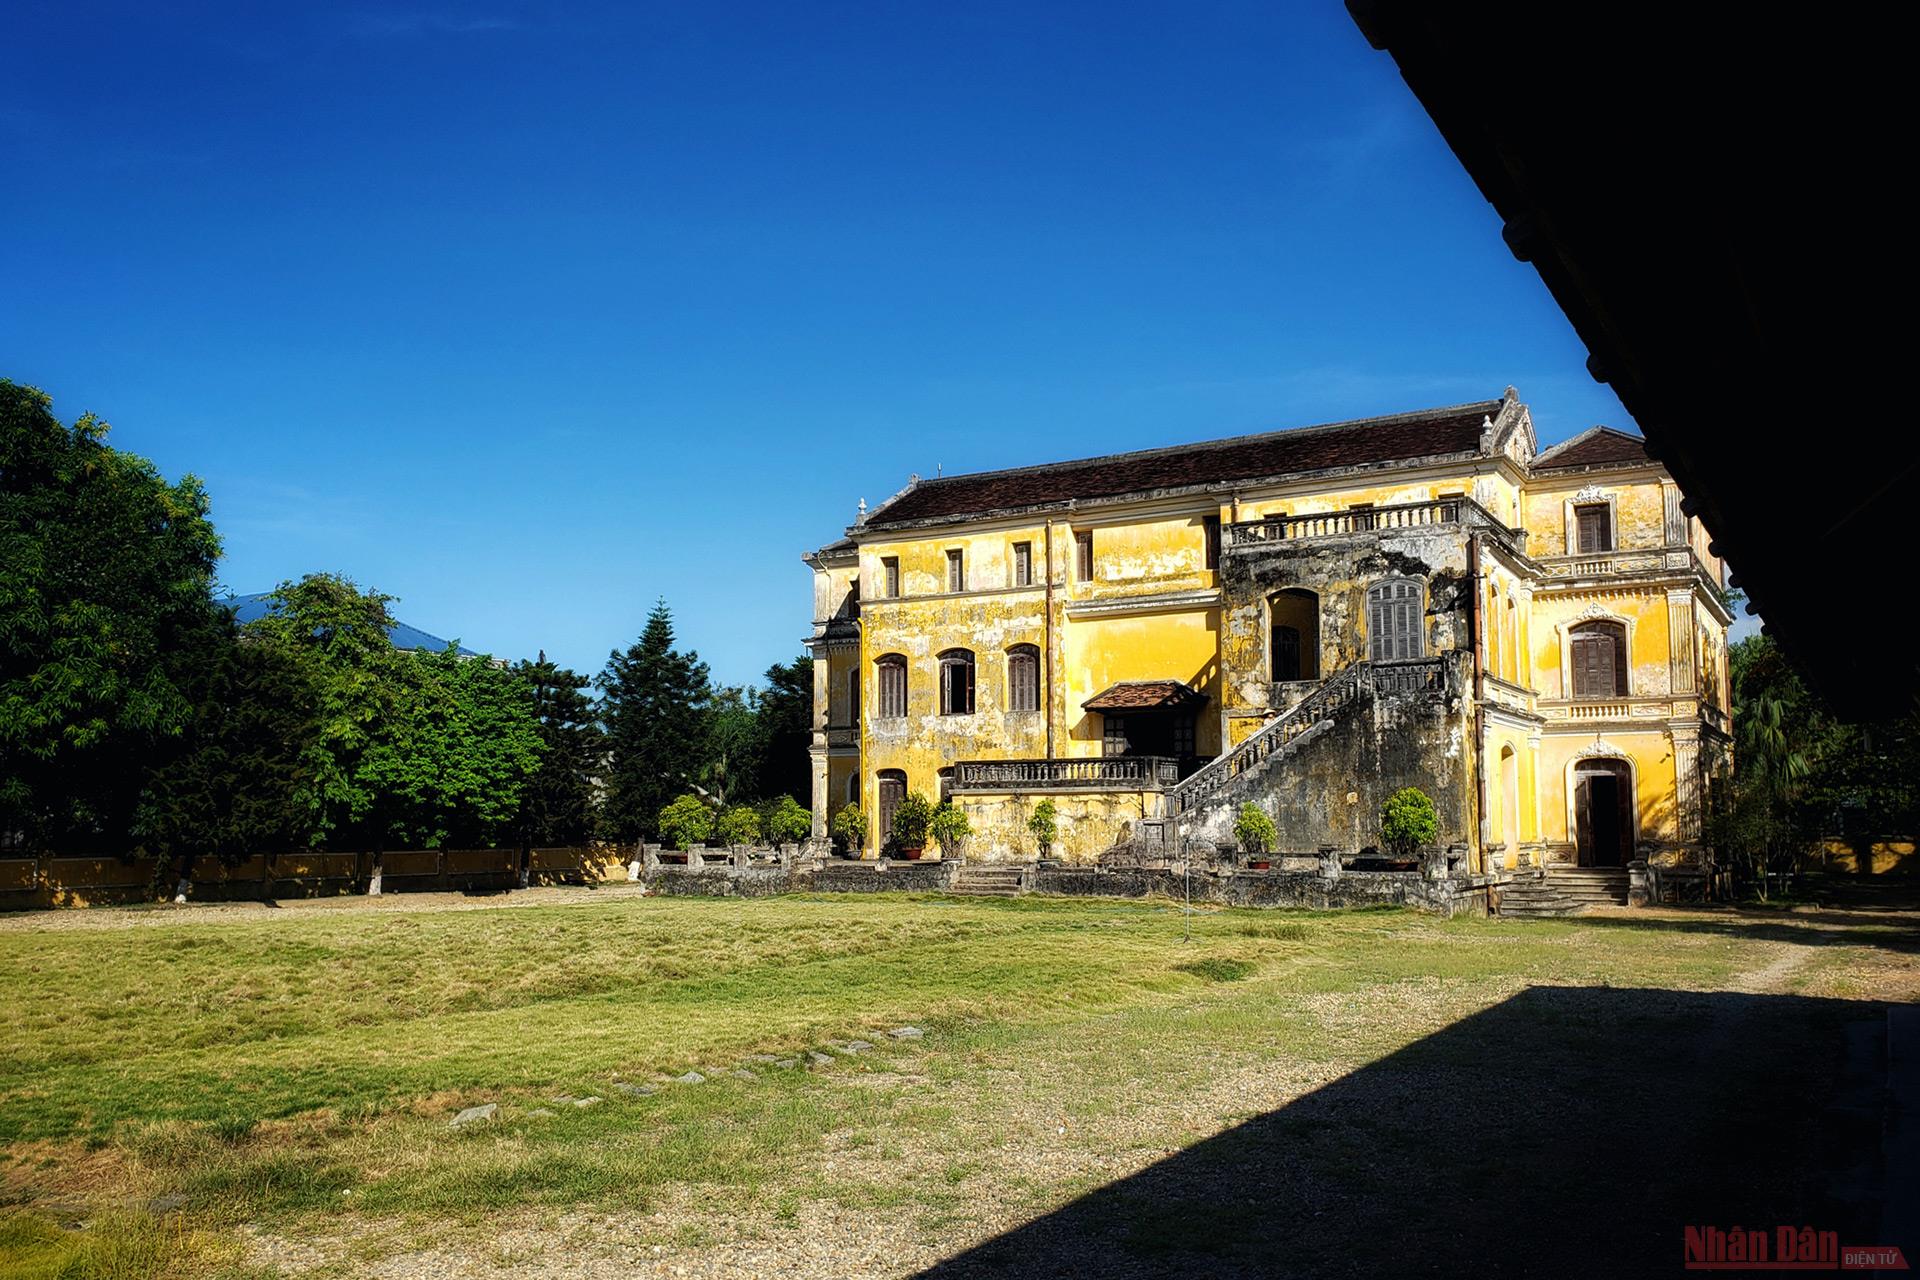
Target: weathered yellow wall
{"points": [[1869, 857], [1650, 753], [1644, 611], [1087, 825], [1179, 645], [1162, 553], [1639, 512]]}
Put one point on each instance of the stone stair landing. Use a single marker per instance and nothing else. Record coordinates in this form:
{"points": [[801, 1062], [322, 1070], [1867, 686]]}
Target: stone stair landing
{"points": [[988, 881]]}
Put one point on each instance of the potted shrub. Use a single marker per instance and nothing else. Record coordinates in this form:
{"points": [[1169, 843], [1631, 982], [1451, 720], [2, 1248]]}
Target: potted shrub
{"points": [[911, 818], [1045, 826], [949, 829], [1408, 822], [739, 825], [788, 821], [686, 822], [850, 828], [1257, 835]]}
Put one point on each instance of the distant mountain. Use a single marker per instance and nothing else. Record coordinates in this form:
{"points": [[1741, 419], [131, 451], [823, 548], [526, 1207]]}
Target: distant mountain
{"points": [[257, 605]]}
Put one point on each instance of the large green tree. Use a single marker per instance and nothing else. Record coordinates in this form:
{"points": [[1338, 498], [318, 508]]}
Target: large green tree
{"points": [[654, 703], [735, 745], [1800, 772], [557, 806], [452, 766], [786, 719], [235, 789], [333, 638], [106, 614]]}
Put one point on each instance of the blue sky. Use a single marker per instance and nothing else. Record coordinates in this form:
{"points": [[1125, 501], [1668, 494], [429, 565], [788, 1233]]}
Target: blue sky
{"points": [[530, 314]]}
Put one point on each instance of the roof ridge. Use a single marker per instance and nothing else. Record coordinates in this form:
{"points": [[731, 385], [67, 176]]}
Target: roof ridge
{"points": [[1597, 428], [1221, 442]]}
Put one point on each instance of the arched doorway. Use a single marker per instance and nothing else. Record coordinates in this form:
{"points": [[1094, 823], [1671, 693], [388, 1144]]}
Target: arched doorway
{"points": [[1604, 813], [1293, 637]]}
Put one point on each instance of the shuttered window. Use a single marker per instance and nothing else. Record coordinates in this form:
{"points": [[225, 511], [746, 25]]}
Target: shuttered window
{"points": [[1211, 527], [1023, 564], [956, 570], [1594, 523], [1083, 555], [1113, 735], [892, 786], [1396, 616], [956, 683], [890, 577], [1023, 678], [891, 673], [1599, 653]]}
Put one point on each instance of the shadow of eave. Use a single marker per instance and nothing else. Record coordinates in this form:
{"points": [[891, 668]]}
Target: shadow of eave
{"points": [[1566, 1131]]}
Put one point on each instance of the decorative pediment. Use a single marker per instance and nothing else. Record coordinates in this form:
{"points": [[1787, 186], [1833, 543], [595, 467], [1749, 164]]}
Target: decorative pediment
{"points": [[1601, 749], [1592, 493], [1594, 612]]}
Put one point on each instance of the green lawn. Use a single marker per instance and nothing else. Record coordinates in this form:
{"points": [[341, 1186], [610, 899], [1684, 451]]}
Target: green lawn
{"points": [[294, 1072]]}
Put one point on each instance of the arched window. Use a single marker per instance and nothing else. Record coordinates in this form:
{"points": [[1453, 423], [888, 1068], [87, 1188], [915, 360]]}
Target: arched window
{"points": [[891, 786], [956, 682], [1599, 653], [1496, 638], [890, 671], [1396, 615], [1023, 678], [853, 788], [1293, 635], [853, 697]]}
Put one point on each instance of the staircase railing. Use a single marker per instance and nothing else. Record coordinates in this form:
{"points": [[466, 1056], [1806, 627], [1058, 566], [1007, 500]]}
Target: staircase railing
{"points": [[1333, 695]]}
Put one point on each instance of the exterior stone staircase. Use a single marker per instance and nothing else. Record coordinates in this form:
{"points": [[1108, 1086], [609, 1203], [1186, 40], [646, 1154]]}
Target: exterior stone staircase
{"points": [[1565, 891], [1533, 898], [987, 881], [1592, 886]]}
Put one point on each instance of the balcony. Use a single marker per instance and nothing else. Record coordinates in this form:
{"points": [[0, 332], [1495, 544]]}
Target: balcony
{"points": [[1094, 773], [842, 735], [1275, 530], [1611, 564]]}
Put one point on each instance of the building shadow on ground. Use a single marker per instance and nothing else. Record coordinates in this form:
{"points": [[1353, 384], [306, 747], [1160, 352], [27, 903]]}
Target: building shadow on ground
{"points": [[1563, 1132]]}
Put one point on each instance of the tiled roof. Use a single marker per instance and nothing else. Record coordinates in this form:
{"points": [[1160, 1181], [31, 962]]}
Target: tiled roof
{"points": [[1427, 433], [1594, 447], [1145, 695], [256, 605]]}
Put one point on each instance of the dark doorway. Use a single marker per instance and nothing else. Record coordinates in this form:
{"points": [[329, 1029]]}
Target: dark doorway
{"points": [[1293, 635], [1603, 813]]}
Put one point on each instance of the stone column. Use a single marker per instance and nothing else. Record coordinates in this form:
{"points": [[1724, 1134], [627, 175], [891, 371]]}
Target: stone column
{"points": [[1676, 522], [821, 800], [1680, 633], [1686, 782]]}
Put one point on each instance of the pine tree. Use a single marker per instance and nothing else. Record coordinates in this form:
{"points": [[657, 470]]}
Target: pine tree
{"points": [[654, 705], [557, 807]]}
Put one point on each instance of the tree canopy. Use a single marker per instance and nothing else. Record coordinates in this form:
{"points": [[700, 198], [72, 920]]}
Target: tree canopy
{"points": [[106, 620]]}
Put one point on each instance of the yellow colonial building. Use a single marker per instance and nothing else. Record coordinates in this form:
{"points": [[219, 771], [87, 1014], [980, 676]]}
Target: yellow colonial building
{"points": [[1305, 620]]}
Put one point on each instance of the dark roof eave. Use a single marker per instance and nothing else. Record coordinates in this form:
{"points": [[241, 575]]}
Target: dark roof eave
{"points": [[1182, 491]]}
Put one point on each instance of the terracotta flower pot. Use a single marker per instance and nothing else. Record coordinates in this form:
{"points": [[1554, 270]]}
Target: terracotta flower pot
{"points": [[912, 852]]}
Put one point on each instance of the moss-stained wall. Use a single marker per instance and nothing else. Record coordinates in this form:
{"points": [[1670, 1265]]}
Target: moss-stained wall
{"points": [[1086, 824]]}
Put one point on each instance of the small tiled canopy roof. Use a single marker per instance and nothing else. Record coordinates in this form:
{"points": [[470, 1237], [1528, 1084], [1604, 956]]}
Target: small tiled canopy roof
{"points": [[1145, 695], [1594, 447], [1369, 441]]}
